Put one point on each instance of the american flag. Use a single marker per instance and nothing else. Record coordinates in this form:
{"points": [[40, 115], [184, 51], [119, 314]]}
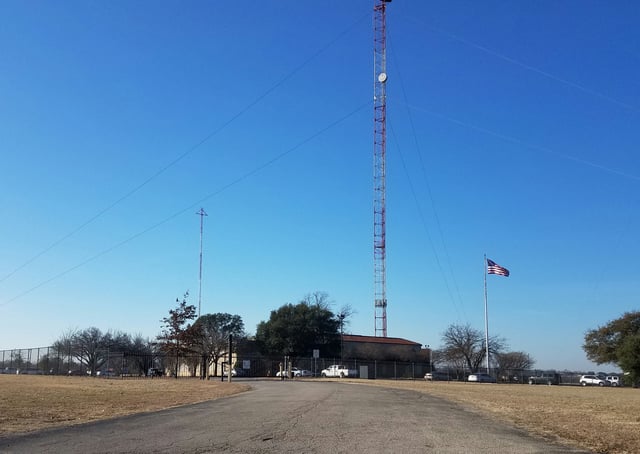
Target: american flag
{"points": [[494, 268]]}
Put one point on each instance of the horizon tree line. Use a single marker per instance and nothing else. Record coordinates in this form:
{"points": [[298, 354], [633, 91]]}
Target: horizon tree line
{"points": [[292, 329]]}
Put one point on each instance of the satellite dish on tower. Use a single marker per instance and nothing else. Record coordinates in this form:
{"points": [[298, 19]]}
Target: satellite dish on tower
{"points": [[382, 77]]}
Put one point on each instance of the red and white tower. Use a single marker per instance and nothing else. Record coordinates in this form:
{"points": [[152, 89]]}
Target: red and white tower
{"points": [[379, 165]]}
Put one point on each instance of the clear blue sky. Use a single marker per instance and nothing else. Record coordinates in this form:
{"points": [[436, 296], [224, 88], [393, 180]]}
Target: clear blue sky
{"points": [[513, 131]]}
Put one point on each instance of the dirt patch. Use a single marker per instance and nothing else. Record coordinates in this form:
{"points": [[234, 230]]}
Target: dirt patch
{"points": [[29, 403], [603, 420]]}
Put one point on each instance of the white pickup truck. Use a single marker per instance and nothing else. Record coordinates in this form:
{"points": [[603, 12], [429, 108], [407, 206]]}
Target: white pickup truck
{"points": [[338, 371]]}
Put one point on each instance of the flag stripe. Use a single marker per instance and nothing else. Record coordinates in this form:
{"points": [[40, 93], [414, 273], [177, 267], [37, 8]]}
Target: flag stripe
{"points": [[494, 268]]}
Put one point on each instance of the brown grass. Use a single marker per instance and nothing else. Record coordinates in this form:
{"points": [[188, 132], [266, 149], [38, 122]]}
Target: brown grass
{"points": [[29, 403], [603, 420]]}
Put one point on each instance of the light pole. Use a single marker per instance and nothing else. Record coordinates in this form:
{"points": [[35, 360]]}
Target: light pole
{"points": [[341, 318], [202, 214], [430, 359]]}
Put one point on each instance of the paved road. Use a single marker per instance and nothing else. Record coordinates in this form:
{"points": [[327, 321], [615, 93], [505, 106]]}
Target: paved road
{"points": [[295, 417]]}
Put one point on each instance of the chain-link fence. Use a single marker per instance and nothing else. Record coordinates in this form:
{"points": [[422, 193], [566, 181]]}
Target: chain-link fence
{"points": [[33, 361], [511, 376], [50, 361], [109, 364]]}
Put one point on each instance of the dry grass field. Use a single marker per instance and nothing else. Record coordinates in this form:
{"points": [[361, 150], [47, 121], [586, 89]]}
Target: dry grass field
{"points": [[605, 420], [32, 402]]}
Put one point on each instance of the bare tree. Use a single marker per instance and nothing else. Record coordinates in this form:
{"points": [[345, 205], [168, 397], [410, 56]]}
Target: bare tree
{"points": [[462, 343], [343, 315], [141, 353], [16, 359], [176, 332], [212, 337], [62, 346], [514, 361], [90, 347], [438, 358], [317, 298], [511, 364]]}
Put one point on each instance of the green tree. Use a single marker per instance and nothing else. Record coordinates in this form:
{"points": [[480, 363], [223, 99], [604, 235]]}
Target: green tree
{"points": [[211, 333], [617, 342], [177, 336], [298, 329], [466, 345]]}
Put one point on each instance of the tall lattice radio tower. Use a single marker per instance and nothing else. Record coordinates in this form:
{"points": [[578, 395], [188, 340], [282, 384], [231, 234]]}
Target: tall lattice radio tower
{"points": [[379, 165]]}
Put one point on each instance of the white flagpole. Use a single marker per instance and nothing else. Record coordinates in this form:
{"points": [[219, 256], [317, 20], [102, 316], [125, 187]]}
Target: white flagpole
{"points": [[486, 313]]}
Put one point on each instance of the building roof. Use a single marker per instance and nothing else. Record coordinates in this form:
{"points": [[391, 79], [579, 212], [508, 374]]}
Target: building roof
{"points": [[379, 340]]}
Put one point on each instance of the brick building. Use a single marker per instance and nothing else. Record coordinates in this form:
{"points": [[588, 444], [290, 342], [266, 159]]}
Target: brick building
{"points": [[382, 349]]}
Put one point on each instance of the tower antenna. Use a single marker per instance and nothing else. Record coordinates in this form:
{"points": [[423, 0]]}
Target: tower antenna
{"points": [[202, 214], [379, 165]]}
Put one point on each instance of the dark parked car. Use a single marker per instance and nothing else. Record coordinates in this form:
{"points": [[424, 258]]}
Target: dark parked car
{"points": [[153, 372], [434, 376], [545, 379], [481, 378]]}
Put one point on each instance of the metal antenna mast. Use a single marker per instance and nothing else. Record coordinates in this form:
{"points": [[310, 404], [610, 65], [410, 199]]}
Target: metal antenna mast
{"points": [[379, 165], [202, 214]]}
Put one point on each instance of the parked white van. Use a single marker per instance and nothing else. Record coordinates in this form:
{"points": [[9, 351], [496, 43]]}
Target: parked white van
{"points": [[614, 380]]}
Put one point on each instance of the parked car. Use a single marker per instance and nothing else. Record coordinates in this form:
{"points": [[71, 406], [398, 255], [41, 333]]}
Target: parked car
{"points": [[545, 379], [481, 378], [593, 380], [336, 370], [154, 372], [106, 373], [614, 380], [296, 372], [303, 373], [510, 379], [225, 373], [434, 376]]}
